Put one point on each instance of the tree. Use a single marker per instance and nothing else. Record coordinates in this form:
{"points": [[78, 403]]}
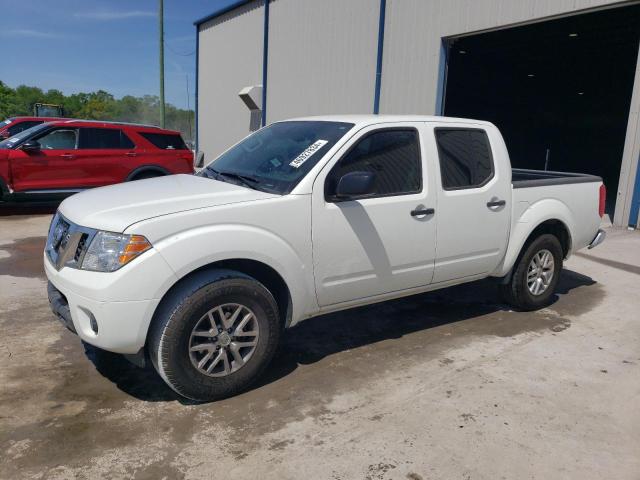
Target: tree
{"points": [[99, 105]]}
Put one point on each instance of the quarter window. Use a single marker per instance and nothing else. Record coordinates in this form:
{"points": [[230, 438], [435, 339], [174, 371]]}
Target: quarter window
{"points": [[165, 141], [465, 158], [392, 154], [104, 138]]}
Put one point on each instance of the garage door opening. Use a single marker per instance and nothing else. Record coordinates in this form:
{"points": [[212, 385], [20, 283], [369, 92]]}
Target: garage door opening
{"points": [[559, 90]]}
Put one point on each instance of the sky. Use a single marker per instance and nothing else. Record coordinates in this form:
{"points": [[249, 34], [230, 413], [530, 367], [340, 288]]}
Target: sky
{"points": [[87, 45]]}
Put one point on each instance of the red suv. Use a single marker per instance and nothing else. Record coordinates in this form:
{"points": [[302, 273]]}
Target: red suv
{"points": [[66, 156], [13, 125]]}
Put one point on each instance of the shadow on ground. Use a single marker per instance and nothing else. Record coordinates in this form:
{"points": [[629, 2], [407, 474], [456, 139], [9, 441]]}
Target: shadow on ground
{"points": [[39, 208], [474, 308]]}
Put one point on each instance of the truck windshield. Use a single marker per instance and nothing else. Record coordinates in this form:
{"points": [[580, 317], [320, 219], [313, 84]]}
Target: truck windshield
{"points": [[18, 138], [277, 157]]}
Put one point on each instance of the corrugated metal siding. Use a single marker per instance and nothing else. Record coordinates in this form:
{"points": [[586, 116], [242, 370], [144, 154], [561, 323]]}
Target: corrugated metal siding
{"points": [[230, 53], [630, 160], [413, 33], [322, 57]]}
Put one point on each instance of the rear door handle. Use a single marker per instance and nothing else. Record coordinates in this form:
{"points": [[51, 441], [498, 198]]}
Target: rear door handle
{"points": [[496, 203], [422, 211], [67, 156], [131, 154]]}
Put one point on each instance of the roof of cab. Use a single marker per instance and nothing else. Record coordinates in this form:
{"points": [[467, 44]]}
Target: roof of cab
{"points": [[372, 119]]}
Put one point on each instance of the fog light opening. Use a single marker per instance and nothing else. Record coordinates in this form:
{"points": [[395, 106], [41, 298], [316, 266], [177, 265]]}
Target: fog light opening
{"points": [[93, 323]]}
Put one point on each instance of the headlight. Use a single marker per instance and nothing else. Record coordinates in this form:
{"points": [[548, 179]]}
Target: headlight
{"points": [[110, 251]]}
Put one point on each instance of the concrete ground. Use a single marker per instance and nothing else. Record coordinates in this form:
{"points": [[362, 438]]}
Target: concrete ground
{"points": [[445, 385]]}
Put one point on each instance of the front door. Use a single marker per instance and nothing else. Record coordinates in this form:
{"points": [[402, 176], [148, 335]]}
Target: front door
{"points": [[474, 202], [382, 243], [54, 166]]}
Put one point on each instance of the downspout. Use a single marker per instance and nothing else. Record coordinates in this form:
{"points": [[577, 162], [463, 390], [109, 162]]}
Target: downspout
{"points": [[196, 100], [376, 98], [265, 58], [634, 214]]}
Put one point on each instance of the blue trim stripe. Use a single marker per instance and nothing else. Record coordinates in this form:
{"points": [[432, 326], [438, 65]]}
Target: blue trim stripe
{"points": [[196, 100], [265, 59], [376, 98], [220, 11], [635, 201]]}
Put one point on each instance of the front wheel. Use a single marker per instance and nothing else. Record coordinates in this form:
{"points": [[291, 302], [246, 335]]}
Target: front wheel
{"points": [[212, 339], [536, 274]]}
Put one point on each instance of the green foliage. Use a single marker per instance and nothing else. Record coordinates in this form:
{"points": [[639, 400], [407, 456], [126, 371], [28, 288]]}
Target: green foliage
{"points": [[98, 105]]}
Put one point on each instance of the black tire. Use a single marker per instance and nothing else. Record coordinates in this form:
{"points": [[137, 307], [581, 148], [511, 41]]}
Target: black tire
{"points": [[170, 333], [145, 175], [516, 292]]}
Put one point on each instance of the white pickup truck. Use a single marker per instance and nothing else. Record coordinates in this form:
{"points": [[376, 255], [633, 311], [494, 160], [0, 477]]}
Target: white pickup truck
{"points": [[203, 272]]}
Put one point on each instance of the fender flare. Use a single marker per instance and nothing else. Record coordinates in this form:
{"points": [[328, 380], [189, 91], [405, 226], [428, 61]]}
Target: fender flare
{"points": [[532, 218], [147, 168], [237, 242]]}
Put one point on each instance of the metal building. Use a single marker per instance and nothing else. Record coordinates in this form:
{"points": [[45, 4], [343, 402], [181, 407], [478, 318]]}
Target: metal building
{"points": [[561, 78]]}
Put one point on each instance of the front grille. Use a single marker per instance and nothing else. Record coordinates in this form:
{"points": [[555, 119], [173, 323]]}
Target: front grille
{"points": [[67, 242], [82, 247]]}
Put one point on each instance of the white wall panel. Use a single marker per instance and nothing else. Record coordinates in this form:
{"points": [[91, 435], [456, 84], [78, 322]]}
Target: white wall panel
{"points": [[414, 30], [322, 57], [230, 52]]}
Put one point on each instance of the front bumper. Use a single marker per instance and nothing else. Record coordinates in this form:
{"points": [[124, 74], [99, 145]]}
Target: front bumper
{"points": [[60, 306], [598, 239], [113, 310]]}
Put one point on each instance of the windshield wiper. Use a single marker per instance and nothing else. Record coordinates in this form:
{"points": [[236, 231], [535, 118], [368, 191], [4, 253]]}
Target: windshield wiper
{"points": [[246, 180]]}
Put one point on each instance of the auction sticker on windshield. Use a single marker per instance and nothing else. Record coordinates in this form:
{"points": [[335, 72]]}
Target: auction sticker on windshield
{"points": [[310, 150]]}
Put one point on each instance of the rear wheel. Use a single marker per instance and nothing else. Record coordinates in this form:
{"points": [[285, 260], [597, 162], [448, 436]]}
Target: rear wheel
{"points": [[144, 175], [536, 274], [213, 338]]}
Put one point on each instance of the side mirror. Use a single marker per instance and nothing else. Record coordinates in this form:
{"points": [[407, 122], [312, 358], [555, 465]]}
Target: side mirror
{"points": [[30, 146], [199, 161], [355, 184]]}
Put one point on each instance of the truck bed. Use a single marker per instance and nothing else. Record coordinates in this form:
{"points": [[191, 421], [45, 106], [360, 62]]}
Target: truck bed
{"points": [[524, 178]]}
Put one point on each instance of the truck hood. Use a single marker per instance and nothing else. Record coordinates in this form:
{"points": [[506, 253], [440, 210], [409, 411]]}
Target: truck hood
{"points": [[116, 207]]}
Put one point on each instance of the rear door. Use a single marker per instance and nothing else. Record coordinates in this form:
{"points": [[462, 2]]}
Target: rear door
{"points": [[384, 242], [52, 167], [106, 155], [474, 197]]}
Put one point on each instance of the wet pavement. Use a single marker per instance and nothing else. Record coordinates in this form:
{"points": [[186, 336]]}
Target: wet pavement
{"points": [[448, 384]]}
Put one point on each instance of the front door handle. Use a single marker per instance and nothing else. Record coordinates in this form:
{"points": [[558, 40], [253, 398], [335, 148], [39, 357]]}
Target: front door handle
{"points": [[496, 203], [422, 211], [68, 156]]}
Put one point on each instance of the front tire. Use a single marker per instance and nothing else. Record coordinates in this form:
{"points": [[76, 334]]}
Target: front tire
{"points": [[535, 275], [214, 335]]}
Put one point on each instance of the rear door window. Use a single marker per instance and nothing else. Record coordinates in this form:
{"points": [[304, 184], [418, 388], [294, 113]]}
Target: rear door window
{"points": [[165, 141], [465, 157], [104, 138]]}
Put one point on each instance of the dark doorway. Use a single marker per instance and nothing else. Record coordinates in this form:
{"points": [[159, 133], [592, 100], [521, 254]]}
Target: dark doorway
{"points": [[561, 85]]}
